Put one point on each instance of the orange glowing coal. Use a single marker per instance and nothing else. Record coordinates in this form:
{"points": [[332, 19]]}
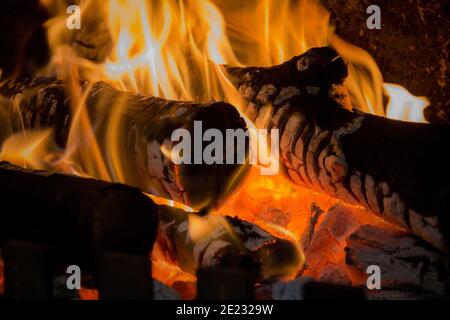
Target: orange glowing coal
{"points": [[173, 49]]}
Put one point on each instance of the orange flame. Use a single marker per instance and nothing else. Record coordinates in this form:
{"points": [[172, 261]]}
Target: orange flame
{"points": [[172, 49]]}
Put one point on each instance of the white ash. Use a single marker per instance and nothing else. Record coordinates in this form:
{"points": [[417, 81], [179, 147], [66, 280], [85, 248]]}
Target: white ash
{"points": [[313, 149], [248, 77], [303, 63], [247, 92], [429, 233], [66, 120], [339, 162], [371, 193], [210, 254], [394, 210], [405, 261], [202, 245], [155, 164], [260, 238], [287, 139], [266, 93], [356, 187], [337, 168], [279, 115], [183, 227], [340, 221], [163, 292], [181, 111]]}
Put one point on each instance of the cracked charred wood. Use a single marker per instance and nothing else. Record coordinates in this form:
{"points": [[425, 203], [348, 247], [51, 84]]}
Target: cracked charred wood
{"points": [[395, 169], [76, 217], [194, 242], [144, 138], [406, 262]]}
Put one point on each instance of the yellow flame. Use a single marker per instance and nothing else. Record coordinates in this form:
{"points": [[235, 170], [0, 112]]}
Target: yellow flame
{"points": [[173, 48], [28, 149], [403, 105]]}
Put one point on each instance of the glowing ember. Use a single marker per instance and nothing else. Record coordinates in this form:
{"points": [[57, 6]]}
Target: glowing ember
{"points": [[173, 49]]}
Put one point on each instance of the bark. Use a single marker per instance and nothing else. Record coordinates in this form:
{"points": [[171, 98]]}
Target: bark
{"points": [[224, 243], [76, 217], [145, 128], [395, 169], [406, 262]]}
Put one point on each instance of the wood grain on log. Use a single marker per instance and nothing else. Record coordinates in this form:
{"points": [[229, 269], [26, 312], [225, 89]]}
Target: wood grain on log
{"points": [[145, 128], [225, 242], [396, 169], [406, 262]]}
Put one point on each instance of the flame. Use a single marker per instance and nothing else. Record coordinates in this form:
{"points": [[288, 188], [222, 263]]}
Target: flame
{"points": [[171, 54], [403, 105], [28, 149], [173, 49]]}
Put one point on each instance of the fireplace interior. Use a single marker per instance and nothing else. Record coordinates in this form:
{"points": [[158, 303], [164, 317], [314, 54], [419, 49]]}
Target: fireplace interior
{"points": [[345, 196]]}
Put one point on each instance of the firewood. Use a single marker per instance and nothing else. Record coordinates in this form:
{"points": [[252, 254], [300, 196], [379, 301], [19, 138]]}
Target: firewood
{"points": [[145, 128], [76, 217], [395, 169], [224, 243], [406, 262]]}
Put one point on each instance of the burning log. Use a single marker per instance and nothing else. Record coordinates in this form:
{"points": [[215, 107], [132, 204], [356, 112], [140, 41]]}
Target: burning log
{"points": [[144, 139], [77, 218], [406, 262], [194, 242], [395, 169]]}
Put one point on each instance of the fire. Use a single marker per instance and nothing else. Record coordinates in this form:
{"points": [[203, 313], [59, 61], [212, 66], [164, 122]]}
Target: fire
{"points": [[27, 149], [173, 49], [172, 54], [403, 105]]}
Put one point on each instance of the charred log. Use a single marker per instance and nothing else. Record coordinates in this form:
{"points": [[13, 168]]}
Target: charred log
{"points": [[406, 262], [146, 125], [224, 243], [77, 218], [396, 169]]}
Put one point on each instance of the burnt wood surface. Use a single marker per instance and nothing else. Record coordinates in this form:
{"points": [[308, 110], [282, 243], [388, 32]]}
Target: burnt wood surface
{"points": [[228, 243], [77, 218], [395, 169], [145, 127], [407, 263]]}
